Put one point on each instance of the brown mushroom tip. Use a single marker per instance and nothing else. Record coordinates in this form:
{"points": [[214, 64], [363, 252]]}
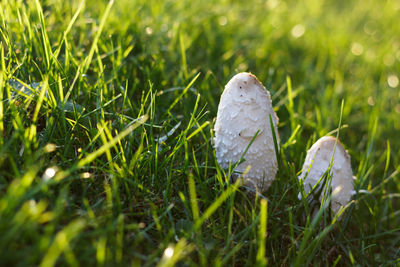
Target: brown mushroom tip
{"points": [[330, 140], [245, 77]]}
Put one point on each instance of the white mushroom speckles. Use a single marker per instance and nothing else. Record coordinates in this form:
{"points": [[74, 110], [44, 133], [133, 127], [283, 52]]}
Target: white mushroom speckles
{"points": [[319, 157], [244, 109]]}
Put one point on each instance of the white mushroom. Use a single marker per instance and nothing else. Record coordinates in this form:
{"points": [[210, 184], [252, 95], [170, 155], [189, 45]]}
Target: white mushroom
{"points": [[317, 163], [245, 108]]}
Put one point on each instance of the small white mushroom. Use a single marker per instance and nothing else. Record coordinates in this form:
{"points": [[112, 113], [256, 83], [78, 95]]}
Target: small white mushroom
{"points": [[245, 108], [317, 163]]}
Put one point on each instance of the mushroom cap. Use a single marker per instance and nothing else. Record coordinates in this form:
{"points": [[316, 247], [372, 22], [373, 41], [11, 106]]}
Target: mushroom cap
{"points": [[244, 109], [319, 157]]}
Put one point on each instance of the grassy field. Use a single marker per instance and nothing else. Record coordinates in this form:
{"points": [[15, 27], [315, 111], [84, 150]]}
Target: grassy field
{"points": [[106, 122]]}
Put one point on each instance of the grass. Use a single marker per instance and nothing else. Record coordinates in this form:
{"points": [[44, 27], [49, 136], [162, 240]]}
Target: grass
{"points": [[106, 118]]}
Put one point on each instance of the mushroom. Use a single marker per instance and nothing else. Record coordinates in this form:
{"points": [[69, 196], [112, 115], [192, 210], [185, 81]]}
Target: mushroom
{"points": [[244, 111], [316, 164]]}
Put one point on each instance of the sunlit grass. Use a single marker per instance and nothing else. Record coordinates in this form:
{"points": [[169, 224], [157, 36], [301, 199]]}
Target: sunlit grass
{"points": [[106, 118]]}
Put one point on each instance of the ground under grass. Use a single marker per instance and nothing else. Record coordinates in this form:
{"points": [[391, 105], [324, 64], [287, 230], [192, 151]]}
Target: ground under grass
{"points": [[106, 118]]}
